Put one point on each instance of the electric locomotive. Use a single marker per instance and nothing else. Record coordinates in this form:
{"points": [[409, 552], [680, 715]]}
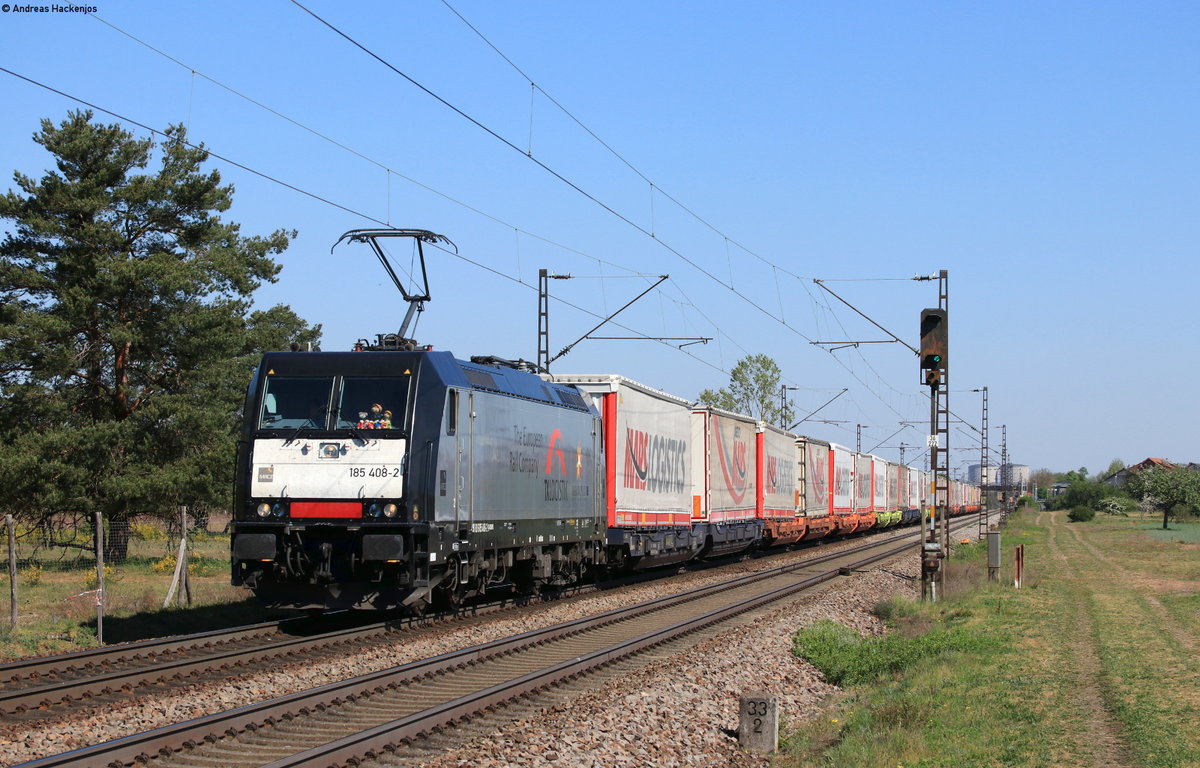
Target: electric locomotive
{"points": [[385, 478], [396, 476]]}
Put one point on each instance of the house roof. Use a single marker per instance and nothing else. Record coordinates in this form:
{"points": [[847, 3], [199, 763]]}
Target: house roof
{"points": [[1144, 464]]}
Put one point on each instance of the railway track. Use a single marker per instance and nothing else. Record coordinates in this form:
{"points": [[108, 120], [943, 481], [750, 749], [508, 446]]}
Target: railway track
{"points": [[385, 711], [33, 689]]}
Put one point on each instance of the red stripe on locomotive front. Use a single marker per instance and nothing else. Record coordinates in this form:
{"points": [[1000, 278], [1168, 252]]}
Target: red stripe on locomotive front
{"points": [[339, 509]]}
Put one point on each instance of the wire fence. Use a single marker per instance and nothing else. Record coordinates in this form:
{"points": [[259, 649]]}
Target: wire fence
{"points": [[51, 565]]}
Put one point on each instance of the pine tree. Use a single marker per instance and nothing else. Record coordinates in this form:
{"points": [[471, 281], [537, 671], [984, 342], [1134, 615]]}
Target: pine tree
{"points": [[126, 336]]}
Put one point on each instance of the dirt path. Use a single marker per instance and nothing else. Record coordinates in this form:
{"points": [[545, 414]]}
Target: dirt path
{"points": [[1103, 735], [1169, 622], [1051, 534]]}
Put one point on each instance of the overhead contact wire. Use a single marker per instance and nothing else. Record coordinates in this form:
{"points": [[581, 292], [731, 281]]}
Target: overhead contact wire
{"points": [[547, 168], [324, 200], [360, 155]]}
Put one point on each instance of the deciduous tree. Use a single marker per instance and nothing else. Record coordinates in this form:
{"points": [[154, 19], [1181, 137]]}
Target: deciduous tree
{"points": [[754, 389], [1172, 489]]}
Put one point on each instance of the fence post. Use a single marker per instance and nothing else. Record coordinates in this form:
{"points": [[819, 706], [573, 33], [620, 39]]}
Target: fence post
{"points": [[1020, 563], [187, 579], [993, 555], [12, 572], [99, 578]]}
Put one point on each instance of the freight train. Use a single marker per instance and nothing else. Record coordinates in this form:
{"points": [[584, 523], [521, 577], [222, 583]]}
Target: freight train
{"points": [[398, 476]]}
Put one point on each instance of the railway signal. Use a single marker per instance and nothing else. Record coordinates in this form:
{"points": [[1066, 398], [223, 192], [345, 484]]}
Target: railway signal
{"points": [[933, 354], [935, 343]]}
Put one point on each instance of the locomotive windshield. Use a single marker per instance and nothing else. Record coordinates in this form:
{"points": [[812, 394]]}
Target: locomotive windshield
{"points": [[372, 402], [361, 402], [295, 403]]}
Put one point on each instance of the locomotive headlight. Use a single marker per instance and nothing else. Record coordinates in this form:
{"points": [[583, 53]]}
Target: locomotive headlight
{"points": [[390, 510], [263, 510], [279, 509], [374, 510]]}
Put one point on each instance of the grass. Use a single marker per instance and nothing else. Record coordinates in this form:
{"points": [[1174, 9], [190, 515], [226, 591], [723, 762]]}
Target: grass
{"points": [[846, 658], [1095, 663], [1185, 532], [56, 615]]}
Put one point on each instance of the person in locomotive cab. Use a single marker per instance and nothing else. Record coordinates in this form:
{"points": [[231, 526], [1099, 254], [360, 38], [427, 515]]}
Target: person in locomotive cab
{"points": [[316, 413]]}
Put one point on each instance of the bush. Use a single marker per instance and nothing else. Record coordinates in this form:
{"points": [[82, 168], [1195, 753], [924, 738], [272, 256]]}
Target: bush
{"points": [[166, 565], [894, 608], [147, 532], [198, 565], [1116, 505], [92, 581], [846, 658], [1081, 514], [205, 566], [1183, 512], [1082, 493], [31, 575]]}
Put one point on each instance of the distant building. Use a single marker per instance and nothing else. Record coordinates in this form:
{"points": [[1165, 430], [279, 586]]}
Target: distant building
{"points": [[1121, 476], [1019, 475], [977, 474]]}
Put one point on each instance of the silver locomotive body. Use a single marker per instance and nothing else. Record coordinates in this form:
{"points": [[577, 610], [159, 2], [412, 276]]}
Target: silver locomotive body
{"points": [[381, 479]]}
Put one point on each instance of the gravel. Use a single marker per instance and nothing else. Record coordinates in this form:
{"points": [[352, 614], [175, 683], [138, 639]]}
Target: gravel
{"points": [[672, 715], [684, 711]]}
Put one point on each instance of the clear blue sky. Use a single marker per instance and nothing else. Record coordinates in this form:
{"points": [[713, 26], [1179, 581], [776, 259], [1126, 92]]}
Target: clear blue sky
{"points": [[1046, 154]]}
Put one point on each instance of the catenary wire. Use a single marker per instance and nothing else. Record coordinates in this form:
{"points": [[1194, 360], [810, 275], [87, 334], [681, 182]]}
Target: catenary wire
{"points": [[548, 169], [376, 220], [614, 152], [383, 166], [324, 200], [379, 164]]}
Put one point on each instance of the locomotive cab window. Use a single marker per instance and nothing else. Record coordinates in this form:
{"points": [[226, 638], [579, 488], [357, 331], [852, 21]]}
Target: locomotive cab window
{"points": [[452, 412], [295, 403], [374, 402]]}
